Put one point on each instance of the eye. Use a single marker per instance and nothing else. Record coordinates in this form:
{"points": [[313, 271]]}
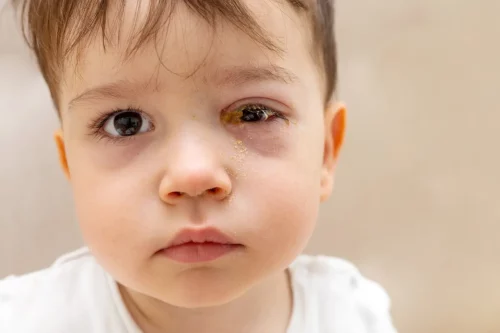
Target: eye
{"points": [[254, 113], [126, 123], [250, 114]]}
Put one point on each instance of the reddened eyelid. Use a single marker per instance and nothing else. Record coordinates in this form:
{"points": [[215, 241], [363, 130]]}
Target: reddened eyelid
{"points": [[234, 115], [268, 103]]}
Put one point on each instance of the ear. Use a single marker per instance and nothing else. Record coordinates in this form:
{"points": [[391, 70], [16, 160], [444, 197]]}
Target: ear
{"points": [[335, 122], [59, 139]]}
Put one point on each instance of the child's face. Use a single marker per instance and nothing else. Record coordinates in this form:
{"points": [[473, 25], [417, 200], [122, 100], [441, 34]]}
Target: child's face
{"points": [[197, 160]]}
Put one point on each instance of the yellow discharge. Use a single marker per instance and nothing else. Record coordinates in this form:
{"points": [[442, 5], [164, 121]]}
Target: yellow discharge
{"points": [[233, 117], [239, 157]]}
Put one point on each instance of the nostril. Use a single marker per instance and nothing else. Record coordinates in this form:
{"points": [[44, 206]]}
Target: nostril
{"points": [[174, 195], [214, 190], [217, 193]]}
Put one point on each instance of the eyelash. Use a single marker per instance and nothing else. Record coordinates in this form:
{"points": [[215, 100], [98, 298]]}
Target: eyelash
{"points": [[96, 125], [272, 113]]}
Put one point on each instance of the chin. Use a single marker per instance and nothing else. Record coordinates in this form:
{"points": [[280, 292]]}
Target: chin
{"points": [[203, 298], [204, 292], [200, 303]]}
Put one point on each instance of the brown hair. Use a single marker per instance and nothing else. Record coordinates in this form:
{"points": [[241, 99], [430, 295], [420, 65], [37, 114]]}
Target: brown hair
{"points": [[56, 29]]}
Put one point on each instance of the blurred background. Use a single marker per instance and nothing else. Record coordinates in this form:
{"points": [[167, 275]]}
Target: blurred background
{"points": [[416, 204]]}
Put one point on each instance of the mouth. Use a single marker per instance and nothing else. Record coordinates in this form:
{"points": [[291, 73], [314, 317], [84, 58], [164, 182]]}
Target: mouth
{"points": [[199, 245]]}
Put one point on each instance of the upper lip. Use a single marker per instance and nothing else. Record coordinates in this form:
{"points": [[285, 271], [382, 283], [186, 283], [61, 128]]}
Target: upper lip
{"points": [[205, 235]]}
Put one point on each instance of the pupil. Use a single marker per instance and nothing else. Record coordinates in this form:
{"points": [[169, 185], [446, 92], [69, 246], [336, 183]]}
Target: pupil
{"points": [[128, 123], [252, 115]]}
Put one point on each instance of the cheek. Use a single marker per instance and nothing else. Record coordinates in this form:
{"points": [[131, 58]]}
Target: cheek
{"points": [[281, 209], [113, 206], [108, 214], [274, 140], [280, 200], [116, 157]]}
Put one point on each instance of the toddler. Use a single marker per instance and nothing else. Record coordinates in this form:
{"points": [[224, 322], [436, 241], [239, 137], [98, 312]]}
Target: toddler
{"points": [[199, 138]]}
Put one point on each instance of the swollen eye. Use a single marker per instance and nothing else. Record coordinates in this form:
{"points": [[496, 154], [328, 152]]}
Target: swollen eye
{"points": [[247, 114], [253, 115]]}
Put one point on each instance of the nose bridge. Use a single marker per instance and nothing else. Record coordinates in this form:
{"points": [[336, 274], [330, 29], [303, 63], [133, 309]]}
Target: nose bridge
{"points": [[193, 167], [192, 147]]}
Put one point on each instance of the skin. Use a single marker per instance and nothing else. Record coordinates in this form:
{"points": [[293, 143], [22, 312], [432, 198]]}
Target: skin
{"points": [[261, 183]]}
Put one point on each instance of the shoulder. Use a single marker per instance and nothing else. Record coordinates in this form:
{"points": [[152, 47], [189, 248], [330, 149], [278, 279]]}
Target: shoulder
{"points": [[66, 273], [48, 300], [344, 299]]}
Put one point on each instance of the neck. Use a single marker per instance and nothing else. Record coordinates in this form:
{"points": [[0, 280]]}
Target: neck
{"points": [[266, 307]]}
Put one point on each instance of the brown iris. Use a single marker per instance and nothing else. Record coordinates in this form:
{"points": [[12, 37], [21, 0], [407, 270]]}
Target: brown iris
{"points": [[249, 114]]}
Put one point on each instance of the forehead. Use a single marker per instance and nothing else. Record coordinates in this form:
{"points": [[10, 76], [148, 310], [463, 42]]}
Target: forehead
{"points": [[188, 46]]}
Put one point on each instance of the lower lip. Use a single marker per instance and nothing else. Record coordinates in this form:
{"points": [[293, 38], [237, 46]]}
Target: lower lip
{"points": [[198, 252]]}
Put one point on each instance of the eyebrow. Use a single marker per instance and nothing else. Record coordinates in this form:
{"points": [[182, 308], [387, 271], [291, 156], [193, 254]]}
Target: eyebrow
{"points": [[232, 76], [114, 90], [238, 75]]}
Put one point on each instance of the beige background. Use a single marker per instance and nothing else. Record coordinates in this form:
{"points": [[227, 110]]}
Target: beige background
{"points": [[416, 198]]}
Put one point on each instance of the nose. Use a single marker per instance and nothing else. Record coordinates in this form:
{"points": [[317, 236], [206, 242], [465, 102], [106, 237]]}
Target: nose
{"points": [[194, 171]]}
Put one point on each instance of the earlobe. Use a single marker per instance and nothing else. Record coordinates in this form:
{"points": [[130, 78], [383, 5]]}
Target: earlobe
{"points": [[63, 161], [335, 122]]}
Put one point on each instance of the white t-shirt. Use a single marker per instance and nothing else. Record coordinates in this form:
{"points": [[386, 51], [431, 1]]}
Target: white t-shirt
{"points": [[76, 295]]}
